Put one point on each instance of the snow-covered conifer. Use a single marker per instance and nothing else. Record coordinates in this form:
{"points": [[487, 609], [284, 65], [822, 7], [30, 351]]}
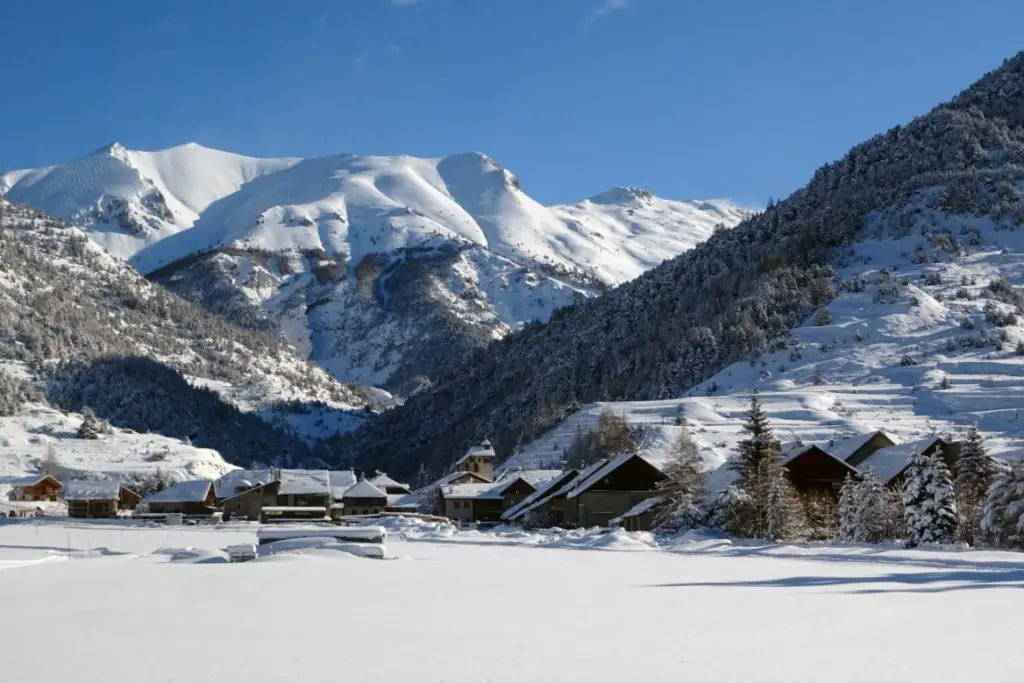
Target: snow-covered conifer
{"points": [[974, 474], [92, 427], [928, 500], [865, 509], [685, 485], [1003, 521]]}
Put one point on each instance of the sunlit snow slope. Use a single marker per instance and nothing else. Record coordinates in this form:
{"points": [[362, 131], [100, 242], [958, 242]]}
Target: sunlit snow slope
{"points": [[356, 259]]}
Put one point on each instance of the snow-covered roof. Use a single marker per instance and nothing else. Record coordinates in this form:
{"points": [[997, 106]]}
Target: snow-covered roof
{"points": [[888, 462], [395, 498], [638, 509], [483, 450], [28, 481], [92, 489], [383, 481], [194, 491], [545, 491], [584, 483], [228, 485], [364, 489], [533, 477], [844, 448], [304, 482], [341, 481], [489, 491]]}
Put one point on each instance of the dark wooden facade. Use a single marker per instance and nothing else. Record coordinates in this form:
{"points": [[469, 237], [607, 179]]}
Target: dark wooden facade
{"points": [[634, 480], [815, 471], [44, 488]]}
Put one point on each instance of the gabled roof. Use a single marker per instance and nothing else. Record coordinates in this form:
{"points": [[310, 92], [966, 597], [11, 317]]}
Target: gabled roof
{"points": [[487, 491], [584, 483], [226, 485], [794, 450], [92, 489], [304, 482], [889, 462], [382, 480], [533, 477], [195, 491], [341, 481], [845, 447], [364, 489], [484, 450], [543, 493], [31, 481]]}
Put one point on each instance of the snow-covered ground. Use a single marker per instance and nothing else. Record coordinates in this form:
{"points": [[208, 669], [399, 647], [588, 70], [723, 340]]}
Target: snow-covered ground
{"points": [[919, 360], [27, 438], [109, 601]]}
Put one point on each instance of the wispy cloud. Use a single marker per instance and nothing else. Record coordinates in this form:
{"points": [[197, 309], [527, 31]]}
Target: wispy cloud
{"points": [[605, 7]]}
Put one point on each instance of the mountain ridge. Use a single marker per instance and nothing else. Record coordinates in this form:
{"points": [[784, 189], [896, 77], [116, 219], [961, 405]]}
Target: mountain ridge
{"points": [[385, 270], [733, 297]]}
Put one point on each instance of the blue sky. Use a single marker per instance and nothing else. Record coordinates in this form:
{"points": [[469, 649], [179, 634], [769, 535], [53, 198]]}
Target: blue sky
{"points": [[688, 98]]}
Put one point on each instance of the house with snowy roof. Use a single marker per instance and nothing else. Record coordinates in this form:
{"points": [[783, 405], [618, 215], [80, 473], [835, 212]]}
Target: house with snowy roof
{"points": [[890, 464], [545, 507], [423, 499], [195, 498], [365, 498], [814, 470], [857, 448], [238, 481], [305, 489], [478, 460], [98, 498], [390, 486], [600, 494], [40, 487]]}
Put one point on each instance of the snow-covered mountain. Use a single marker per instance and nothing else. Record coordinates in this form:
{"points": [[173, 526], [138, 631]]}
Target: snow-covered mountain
{"points": [[382, 269], [895, 268]]}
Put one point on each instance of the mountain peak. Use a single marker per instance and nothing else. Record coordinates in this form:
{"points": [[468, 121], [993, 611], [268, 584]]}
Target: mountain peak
{"points": [[622, 195], [114, 149]]}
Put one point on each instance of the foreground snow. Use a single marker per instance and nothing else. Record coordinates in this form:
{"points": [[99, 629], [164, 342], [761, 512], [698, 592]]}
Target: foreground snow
{"points": [[492, 608]]}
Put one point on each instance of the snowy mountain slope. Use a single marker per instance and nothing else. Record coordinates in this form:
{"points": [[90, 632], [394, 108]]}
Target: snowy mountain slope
{"points": [[27, 438], [265, 242], [735, 297], [90, 331], [930, 340]]}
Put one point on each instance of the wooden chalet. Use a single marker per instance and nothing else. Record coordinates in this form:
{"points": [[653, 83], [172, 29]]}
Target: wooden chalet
{"points": [[545, 507], [42, 487], [488, 502], [814, 470], [858, 448], [92, 499], [420, 499], [611, 490], [288, 489], [195, 498], [890, 464]]}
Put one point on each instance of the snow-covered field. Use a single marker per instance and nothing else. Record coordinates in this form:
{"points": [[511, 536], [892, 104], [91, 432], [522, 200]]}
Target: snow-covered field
{"points": [[100, 602]]}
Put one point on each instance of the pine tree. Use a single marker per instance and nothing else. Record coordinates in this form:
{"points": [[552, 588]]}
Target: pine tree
{"points": [[685, 485], [929, 501], [1003, 520], [866, 514], [92, 427], [974, 474], [51, 463], [770, 508], [758, 445], [422, 477]]}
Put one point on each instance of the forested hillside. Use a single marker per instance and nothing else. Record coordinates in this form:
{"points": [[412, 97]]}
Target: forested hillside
{"points": [[732, 298], [92, 332]]}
